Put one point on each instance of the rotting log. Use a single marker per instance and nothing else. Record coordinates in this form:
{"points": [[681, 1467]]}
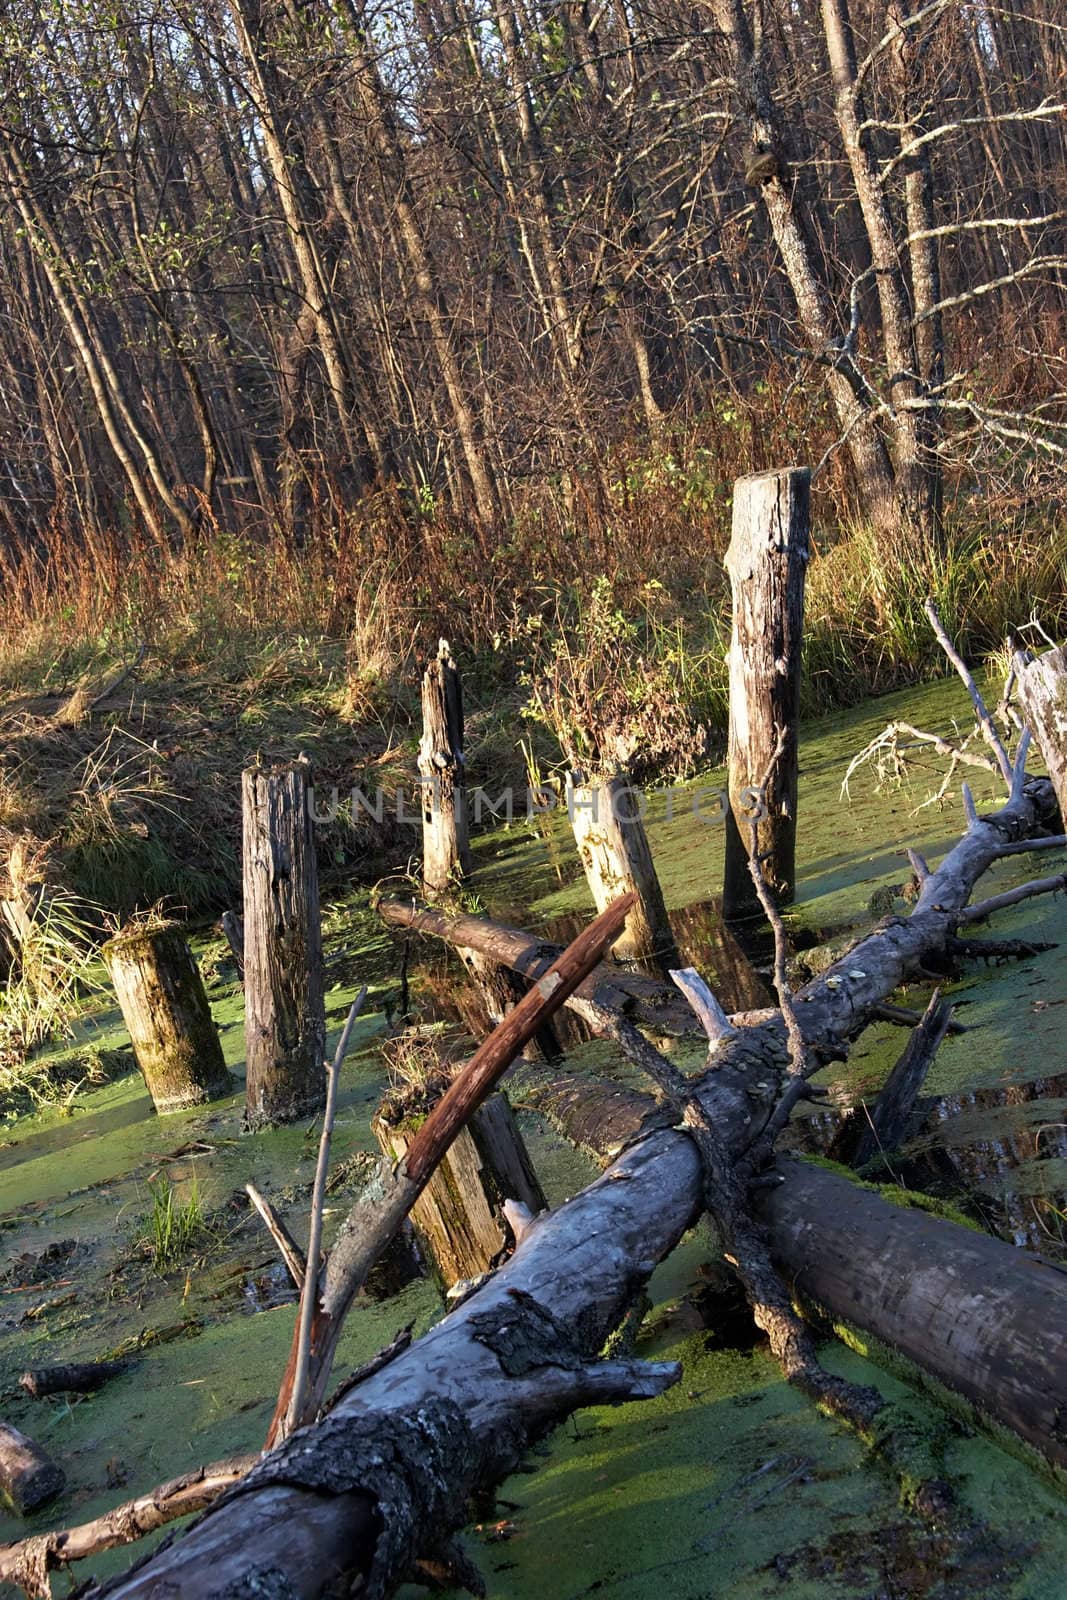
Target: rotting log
{"points": [[285, 1013], [605, 817], [75, 1377], [766, 559], [28, 1475], [1042, 687], [445, 836], [165, 1008], [981, 1317], [459, 1216]]}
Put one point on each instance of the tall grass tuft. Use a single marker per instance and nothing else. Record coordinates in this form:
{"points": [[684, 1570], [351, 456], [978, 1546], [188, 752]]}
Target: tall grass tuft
{"points": [[175, 1228]]}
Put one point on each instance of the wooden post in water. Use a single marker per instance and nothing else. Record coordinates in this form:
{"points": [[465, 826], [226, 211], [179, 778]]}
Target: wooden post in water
{"points": [[1043, 696], [285, 1014], [767, 560], [164, 1006], [459, 1215], [610, 834], [445, 841]]}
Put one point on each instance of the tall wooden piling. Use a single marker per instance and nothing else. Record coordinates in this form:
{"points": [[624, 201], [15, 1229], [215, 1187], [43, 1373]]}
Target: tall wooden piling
{"points": [[767, 561], [445, 840], [164, 1006], [606, 819], [285, 1015]]}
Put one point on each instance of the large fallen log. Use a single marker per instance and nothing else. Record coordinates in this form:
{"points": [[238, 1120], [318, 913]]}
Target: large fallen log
{"points": [[968, 1309], [648, 1001]]}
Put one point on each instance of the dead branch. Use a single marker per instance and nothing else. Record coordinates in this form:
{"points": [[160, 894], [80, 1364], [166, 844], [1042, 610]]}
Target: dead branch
{"points": [[310, 1285], [1013, 897], [867, 1133], [29, 1562], [985, 721], [288, 1248]]}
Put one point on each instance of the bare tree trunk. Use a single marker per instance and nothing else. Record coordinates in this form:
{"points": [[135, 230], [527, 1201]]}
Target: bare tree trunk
{"points": [[285, 1015], [767, 560], [912, 468], [163, 1003], [874, 471], [446, 853]]}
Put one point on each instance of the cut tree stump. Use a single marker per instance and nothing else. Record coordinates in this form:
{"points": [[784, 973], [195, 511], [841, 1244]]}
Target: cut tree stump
{"points": [[164, 1006], [767, 560], [28, 1475], [1043, 695], [459, 1215], [445, 843], [285, 1013], [610, 834]]}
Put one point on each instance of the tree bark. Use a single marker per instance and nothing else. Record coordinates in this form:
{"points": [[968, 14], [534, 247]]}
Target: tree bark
{"points": [[163, 1003], [445, 839], [28, 1475], [767, 560], [285, 1013], [613, 845]]}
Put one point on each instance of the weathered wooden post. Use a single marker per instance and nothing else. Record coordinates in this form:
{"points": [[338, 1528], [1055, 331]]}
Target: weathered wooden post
{"points": [[767, 561], [609, 830], [164, 1006], [459, 1215], [445, 840], [285, 1013], [1043, 696]]}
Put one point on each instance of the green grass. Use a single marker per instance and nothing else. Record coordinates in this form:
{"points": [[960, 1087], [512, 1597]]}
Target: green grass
{"points": [[175, 1229]]}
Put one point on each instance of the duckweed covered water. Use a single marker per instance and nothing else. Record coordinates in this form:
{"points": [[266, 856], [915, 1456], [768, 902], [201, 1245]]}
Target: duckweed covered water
{"points": [[729, 1485]]}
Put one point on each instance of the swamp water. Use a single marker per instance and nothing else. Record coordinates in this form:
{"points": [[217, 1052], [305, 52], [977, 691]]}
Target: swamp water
{"points": [[730, 1485]]}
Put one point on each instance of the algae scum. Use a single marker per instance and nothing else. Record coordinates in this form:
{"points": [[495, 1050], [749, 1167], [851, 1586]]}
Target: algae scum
{"points": [[730, 1484]]}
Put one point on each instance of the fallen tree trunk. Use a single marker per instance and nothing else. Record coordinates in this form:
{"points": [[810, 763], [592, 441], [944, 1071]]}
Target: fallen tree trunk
{"points": [[968, 1309], [649, 1001]]}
